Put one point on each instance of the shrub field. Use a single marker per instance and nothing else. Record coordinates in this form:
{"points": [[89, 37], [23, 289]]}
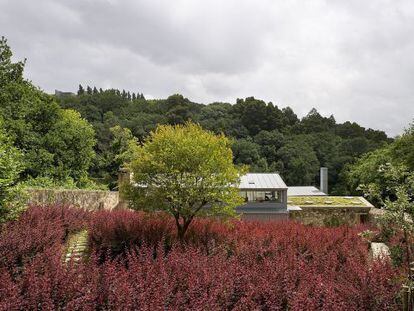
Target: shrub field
{"points": [[135, 262]]}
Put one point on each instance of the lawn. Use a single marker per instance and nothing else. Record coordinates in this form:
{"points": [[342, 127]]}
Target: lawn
{"points": [[133, 261]]}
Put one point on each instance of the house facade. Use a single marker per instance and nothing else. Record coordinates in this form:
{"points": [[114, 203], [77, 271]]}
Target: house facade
{"points": [[265, 196]]}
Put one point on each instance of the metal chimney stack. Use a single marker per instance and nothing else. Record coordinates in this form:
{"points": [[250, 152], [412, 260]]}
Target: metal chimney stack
{"points": [[324, 180]]}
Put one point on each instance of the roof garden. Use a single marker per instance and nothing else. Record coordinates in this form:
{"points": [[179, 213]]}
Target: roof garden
{"points": [[327, 201]]}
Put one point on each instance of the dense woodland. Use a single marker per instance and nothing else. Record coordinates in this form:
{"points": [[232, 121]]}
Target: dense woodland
{"points": [[266, 137]]}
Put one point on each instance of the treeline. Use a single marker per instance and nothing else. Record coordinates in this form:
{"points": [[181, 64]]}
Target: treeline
{"points": [[266, 137]]}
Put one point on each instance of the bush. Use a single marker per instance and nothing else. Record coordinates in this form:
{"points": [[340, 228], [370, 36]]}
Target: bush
{"points": [[38, 230], [240, 265]]}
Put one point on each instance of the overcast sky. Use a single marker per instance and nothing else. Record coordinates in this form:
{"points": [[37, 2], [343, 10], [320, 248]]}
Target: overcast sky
{"points": [[352, 59]]}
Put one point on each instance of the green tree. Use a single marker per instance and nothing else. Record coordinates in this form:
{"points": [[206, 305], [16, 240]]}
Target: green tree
{"points": [[56, 143], [313, 122], [180, 109], [403, 148], [300, 164], [11, 165], [367, 171], [256, 115], [71, 140], [81, 90], [270, 143], [118, 153], [247, 152], [399, 209], [186, 172]]}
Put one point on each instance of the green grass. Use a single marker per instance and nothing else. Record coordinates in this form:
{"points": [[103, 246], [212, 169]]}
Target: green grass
{"points": [[325, 201]]}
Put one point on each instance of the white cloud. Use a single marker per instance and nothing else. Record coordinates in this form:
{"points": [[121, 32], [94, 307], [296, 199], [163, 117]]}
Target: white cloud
{"points": [[352, 59]]}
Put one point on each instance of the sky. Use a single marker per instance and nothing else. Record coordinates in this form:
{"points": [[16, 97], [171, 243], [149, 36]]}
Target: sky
{"points": [[353, 59]]}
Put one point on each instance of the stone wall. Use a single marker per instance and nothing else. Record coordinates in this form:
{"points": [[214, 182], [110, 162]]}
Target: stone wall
{"points": [[330, 215], [86, 199]]}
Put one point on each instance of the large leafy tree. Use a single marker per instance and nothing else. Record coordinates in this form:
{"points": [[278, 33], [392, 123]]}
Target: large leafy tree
{"points": [[368, 170], [11, 164], [71, 139], [56, 143], [403, 148], [186, 172]]}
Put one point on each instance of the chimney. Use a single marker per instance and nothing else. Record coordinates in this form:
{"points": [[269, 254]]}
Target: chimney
{"points": [[324, 180]]}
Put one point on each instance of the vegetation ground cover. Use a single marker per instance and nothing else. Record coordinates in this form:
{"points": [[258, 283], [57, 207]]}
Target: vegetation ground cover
{"points": [[136, 261], [326, 200]]}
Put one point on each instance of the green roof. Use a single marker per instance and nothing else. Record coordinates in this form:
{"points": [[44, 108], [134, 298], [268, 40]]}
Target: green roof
{"points": [[327, 201]]}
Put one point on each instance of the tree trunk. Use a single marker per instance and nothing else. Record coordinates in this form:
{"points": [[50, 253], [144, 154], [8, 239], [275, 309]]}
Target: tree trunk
{"points": [[182, 228]]}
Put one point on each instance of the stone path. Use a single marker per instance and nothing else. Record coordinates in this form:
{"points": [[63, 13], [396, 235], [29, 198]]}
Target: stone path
{"points": [[77, 246]]}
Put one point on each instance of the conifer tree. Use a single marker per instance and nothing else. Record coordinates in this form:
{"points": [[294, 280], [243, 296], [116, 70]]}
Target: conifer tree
{"points": [[81, 90]]}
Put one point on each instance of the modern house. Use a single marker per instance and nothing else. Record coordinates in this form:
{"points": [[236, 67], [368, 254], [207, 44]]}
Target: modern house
{"points": [[268, 198], [265, 196]]}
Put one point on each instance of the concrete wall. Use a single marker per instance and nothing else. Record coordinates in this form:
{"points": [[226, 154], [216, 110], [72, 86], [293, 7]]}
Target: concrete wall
{"points": [[330, 215], [87, 199], [265, 216]]}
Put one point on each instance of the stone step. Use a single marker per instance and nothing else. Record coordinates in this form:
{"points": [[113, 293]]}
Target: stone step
{"points": [[77, 247]]}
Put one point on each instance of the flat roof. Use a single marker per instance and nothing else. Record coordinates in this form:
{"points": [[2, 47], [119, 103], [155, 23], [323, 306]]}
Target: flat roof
{"points": [[263, 181], [304, 191], [342, 201]]}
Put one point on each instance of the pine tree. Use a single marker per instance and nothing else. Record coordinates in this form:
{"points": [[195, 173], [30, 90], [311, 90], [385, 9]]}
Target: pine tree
{"points": [[81, 90], [134, 97], [95, 90], [88, 90]]}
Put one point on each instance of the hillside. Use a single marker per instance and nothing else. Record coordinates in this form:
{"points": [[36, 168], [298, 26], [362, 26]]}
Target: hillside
{"points": [[266, 137]]}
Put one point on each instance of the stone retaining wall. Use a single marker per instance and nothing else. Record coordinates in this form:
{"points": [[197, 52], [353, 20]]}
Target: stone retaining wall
{"points": [[87, 199], [330, 215]]}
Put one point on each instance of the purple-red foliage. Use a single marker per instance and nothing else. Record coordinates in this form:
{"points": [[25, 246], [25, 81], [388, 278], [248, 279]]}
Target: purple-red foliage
{"points": [[38, 229], [236, 266], [118, 231]]}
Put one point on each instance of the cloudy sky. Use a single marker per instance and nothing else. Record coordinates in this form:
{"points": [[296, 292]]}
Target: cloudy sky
{"points": [[352, 59]]}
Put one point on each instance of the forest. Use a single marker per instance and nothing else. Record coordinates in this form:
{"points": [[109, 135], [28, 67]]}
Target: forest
{"points": [[266, 137]]}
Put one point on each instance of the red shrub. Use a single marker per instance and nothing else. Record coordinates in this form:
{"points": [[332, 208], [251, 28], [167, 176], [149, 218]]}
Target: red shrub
{"points": [[119, 231], [38, 229], [240, 266]]}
